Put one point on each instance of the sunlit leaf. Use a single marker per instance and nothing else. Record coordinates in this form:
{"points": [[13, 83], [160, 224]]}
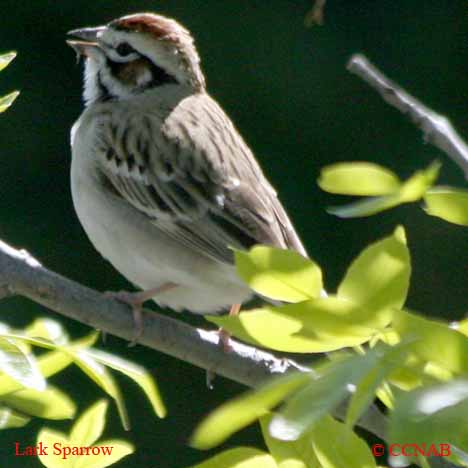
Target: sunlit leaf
{"points": [[318, 325], [337, 446], [241, 457], [321, 395], [432, 415], [19, 365], [358, 178], [434, 341], [366, 207], [245, 409], [410, 191], [89, 426], [10, 418], [48, 329], [51, 403], [387, 359], [379, 277], [289, 454], [137, 373], [67, 450], [7, 101], [448, 203], [5, 59], [101, 376], [279, 274]]}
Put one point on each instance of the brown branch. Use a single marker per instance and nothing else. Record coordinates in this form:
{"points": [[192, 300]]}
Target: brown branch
{"points": [[21, 274], [437, 129]]}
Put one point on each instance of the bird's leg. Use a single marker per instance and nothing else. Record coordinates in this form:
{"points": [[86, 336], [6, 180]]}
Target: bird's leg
{"points": [[224, 340], [136, 300], [224, 336]]}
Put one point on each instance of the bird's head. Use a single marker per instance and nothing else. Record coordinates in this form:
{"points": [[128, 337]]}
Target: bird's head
{"points": [[134, 54]]}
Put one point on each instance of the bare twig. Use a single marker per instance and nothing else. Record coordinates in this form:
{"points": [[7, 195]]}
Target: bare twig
{"points": [[437, 129], [316, 14]]}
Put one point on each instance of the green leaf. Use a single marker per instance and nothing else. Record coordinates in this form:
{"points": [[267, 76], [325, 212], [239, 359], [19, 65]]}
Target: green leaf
{"points": [[7, 101], [366, 207], [412, 190], [279, 274], [337, 380], [19, 365], [245, 409], [241, 457], [49, 404], [68, 450], [5, 59], [10, 419], [432, 415], [337, 446], [49, 363], [104, 379], [89, 426], [379, 277], [48, 329], [387, 359], [318, 325], [434, 341], [358, 178], [448, 203], [289, 454], [137, 373], [116, 450]]}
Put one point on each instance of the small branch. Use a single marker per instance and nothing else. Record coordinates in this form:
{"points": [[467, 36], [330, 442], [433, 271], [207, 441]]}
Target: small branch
{"points": [[23, 275], [437, 129]]}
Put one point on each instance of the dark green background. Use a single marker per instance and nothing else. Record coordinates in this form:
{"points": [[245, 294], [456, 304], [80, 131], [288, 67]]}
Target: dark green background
{"points": [[287, 90]]}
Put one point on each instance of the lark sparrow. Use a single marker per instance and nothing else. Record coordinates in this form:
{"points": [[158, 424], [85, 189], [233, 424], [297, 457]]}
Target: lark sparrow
{"points": [[162, 181]]}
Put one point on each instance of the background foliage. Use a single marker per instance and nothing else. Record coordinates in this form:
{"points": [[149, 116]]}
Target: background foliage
{"points": [[288, 92]]}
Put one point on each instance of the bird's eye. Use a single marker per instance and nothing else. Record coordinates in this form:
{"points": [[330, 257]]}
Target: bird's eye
{"points": [[124, 49]]}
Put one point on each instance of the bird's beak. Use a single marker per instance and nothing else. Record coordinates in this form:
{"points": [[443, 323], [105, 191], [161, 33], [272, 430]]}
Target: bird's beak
{"points": [[87, 44]]}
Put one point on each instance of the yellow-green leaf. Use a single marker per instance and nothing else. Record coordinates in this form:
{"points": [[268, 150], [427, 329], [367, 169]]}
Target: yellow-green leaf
{"points": [[379, 277], [320, 395], [89, 426], [137, 373], [337, 446], [111, 451], [101, 376], [19, 365], [243, 410], [47, 438], [279, 274], [434, 341], [51, 403], [410, 191], [432, 415], [10, 418], [289, 454], [358, 178], [80, 449], [7, 101], [448, 203], [241, 457], [318, 325], [5, 59], [48, 329]]}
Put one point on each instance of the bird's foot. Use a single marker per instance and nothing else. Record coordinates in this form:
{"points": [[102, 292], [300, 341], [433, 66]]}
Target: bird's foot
{"points": [[136, 300]]}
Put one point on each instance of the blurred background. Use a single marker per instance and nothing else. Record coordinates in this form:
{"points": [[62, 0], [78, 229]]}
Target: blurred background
{"points": [[287, 90]]}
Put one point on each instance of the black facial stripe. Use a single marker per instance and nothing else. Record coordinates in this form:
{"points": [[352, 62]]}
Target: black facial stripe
{"points": [[159, 75], [104, 94]]}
